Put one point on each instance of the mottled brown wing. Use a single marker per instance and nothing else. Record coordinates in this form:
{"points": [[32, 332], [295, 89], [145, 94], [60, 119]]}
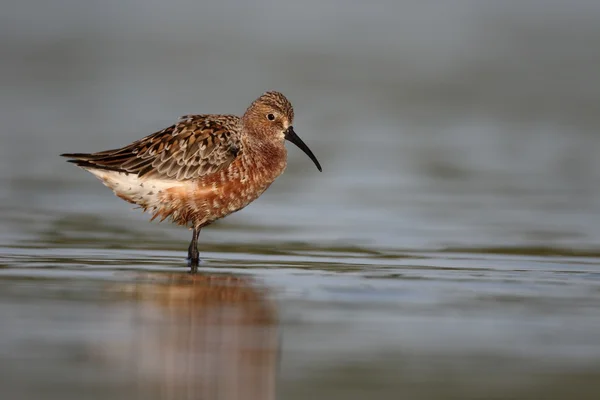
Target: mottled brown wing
{"points": [[196, 146]]}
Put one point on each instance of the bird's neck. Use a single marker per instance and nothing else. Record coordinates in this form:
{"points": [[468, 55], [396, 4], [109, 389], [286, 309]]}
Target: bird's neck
{"points": [[268, 155]]}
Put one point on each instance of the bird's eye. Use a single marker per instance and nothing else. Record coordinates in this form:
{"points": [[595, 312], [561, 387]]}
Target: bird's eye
{"points": [[271, 117]]}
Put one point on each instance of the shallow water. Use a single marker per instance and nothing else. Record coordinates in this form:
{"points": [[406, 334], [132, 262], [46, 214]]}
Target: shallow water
{"points": [[99, 310], [448, 250]]}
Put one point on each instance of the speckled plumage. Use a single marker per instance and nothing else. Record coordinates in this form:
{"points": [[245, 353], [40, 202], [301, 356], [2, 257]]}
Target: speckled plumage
{"points": [[204, 167]]}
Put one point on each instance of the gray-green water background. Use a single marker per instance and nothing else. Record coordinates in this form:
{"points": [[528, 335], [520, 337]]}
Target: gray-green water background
{"points": [[450, 248]]}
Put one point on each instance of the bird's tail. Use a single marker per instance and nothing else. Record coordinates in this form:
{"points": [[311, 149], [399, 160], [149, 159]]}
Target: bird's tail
{"points": [[86, 160]]}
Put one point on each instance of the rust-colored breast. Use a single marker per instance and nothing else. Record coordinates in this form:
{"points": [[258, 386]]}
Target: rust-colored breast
{"points": [[224, 192]]}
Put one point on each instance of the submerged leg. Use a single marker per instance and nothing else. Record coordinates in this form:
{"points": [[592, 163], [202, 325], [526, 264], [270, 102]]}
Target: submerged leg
{"points": [[193, 254]]}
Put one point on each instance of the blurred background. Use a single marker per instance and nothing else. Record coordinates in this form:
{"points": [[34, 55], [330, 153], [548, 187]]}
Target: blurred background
{"points": [[448, 250]]}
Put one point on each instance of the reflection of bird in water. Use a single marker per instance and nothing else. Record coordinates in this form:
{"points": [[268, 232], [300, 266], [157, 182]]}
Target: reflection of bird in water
{"points": [[202, 337], [202, 168]]}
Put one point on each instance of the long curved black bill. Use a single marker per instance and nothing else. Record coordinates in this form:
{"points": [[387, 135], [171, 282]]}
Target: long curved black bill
{"points": [[292, 137]]}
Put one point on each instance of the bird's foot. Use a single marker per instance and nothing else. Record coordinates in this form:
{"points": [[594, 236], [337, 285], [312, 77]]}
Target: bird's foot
{"points": [[193, 262]]}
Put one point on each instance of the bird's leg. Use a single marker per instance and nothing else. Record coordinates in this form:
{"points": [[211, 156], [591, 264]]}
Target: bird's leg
{"points": [[193, 255]]}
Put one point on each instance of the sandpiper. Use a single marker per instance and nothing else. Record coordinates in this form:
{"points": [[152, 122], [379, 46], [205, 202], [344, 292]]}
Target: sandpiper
{"points": [[202, 168]]}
